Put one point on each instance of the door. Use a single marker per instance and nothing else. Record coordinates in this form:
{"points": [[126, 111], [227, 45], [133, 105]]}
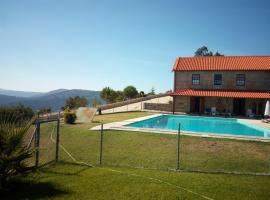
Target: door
{"points": [[239, 106], [197, 104]]}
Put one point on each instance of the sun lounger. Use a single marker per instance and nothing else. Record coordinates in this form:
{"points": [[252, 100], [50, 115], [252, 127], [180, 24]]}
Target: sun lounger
{"points": [[266, 120], [207, 111], [213, 111], [250, 113]]}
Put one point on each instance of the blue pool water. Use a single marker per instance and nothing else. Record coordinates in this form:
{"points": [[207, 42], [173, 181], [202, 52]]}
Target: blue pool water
{"points": [[203, 124]]}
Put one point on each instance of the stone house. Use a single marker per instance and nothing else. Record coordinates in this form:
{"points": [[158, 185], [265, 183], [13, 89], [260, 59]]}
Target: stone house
{"points": [[238, 85]]}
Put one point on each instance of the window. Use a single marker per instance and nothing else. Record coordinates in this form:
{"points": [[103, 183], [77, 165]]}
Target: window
{"points": [[218, 79], [240, 79], [195, 79]]}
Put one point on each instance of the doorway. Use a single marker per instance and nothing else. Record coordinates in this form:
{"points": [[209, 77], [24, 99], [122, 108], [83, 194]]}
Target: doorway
{"points": [[239, 106], [197, 103]]}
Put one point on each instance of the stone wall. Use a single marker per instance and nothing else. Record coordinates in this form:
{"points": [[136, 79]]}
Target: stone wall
{"points": [[131, 101], [255, 80], [182, 104], [158, 107]]}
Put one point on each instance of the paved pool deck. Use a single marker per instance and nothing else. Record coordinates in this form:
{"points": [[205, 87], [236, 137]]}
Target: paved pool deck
{"points": [[121, 125]]}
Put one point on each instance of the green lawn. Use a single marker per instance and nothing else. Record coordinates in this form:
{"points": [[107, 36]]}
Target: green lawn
{"points": [[68, 181], [125, 150]]}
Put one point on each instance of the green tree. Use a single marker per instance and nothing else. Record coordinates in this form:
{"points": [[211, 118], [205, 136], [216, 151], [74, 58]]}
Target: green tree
{"points": [[75, 102], [218, 54], [108, 94], [13, 150], [44, 110], [120, 96], [203, 51], [130, 92], [142, 94], [20, 111], [152, 92]]}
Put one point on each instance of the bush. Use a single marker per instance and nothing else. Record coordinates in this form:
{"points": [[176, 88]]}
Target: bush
{"points": [[13, 150], [69, 117], [19, 112]]}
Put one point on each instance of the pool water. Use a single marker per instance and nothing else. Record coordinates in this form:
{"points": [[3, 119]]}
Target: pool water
{"points": [[203, 125]]}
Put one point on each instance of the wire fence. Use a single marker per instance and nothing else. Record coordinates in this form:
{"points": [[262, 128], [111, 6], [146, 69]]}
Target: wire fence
{"points": [[53, 141], [164, 151], [44, 141]]}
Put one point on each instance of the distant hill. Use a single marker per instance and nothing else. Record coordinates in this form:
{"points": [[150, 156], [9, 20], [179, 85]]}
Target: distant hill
{"points": [[54, 99], [51, 92], [19, 93]]}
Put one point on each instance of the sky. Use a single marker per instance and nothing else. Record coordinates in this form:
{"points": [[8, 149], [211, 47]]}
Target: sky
{"points": [[51, 44]]}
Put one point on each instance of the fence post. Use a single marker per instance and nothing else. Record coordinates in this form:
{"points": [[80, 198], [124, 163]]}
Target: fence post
{"points": [[57, 139], [37, 138], [178, 148], [101, 144]]}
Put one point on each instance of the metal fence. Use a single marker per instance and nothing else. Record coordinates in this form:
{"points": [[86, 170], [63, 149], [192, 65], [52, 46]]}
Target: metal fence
{"points": [[44, 141], [165, 151]]}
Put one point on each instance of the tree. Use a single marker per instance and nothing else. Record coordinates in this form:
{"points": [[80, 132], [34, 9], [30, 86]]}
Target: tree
{"points": [[120, 96], [75, 102], [108, 94], [130, 92], [203, 51], [218, 54], [14, 152], [44, 110], [20, 111], [152, 92], [142, 94]]}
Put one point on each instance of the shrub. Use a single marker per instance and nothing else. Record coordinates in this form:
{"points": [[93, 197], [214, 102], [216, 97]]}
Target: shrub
{"points": [[13, 150], [69, 117], [20, 112]]}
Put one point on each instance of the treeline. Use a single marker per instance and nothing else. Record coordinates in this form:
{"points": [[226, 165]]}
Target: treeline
{"points": [[129, 92], [14, 113]]}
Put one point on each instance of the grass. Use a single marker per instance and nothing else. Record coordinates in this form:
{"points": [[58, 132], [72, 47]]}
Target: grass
{"points": [[69, 181], [123, 150], [148, 150], [119, 117]]}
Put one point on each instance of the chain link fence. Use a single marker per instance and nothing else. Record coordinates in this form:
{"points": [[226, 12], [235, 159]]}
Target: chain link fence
{"points": [[163, 151], [42, 140]]}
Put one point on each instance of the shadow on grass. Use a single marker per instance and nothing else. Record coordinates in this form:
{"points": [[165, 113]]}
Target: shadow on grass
{"points": [[29, 189], [74, 171]]}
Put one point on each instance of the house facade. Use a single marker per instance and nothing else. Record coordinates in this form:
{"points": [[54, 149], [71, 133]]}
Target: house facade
{"points": [[239, 85]]}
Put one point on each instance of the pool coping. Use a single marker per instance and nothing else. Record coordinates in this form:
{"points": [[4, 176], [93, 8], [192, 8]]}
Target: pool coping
{"points": [[121, 125]]}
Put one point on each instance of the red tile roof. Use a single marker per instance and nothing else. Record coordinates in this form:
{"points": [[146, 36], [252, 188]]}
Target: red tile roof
{"points": [[222, 63], [222, 93]]}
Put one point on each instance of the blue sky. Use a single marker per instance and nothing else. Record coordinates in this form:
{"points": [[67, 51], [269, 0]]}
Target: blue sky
{"points": [[50, 44]]}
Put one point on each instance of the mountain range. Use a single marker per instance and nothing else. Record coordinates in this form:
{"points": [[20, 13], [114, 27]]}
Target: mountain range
{"points": [[54, 99]]}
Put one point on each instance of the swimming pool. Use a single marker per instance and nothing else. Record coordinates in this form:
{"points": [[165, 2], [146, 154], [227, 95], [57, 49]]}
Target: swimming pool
{"points": [[199, 124]]}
